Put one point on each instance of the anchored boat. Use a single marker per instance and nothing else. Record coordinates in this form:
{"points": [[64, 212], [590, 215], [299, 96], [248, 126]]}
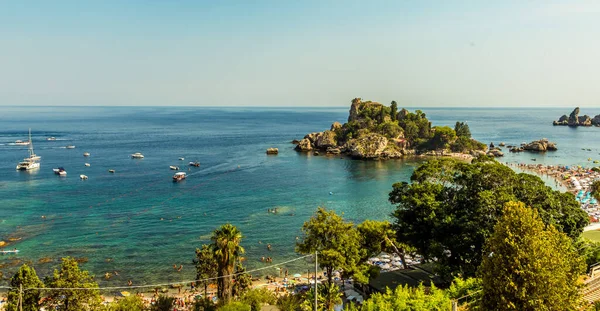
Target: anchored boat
{"points": [[32, 161]]}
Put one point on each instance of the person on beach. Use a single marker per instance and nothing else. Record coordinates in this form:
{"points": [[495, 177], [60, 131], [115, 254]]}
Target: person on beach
{"points": [[180, 268], [129, 283], [269, 246]]}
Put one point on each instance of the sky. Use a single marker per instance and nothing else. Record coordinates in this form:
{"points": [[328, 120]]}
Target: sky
{"points": [[300, 53]]}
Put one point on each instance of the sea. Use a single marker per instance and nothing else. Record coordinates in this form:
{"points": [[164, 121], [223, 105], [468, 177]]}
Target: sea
{"points": [[138, 222]]}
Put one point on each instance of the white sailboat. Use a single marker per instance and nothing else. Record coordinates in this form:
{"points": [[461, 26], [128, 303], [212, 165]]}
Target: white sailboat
{"points": [[31, 162]]}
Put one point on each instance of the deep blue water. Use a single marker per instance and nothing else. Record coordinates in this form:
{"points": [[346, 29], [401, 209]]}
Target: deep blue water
{"points": [[138, 222]]}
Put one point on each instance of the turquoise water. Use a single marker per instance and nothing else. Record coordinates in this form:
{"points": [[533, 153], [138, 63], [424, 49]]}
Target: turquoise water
{"points": [[140, 223]]}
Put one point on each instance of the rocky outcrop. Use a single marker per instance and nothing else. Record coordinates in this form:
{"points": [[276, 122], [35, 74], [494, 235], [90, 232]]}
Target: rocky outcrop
{"points": [[574, 119], [370, 146], [325, 140], [272, 151], [304, 145], [335, 126], [541, 145], [496, 152], [331, 150]]}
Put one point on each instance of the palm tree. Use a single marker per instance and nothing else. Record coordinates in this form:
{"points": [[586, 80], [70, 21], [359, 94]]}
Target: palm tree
{"points": [[226, 245]]}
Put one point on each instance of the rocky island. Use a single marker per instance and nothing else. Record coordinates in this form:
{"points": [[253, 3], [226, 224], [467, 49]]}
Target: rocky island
{"points": [[574, 119], [541, 145], [376, 131]]}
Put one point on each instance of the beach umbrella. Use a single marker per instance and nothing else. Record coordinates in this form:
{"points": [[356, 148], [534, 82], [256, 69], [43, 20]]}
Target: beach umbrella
{"points": [[297, 275], [125, 294], [385, 256], [385, 267], [385, 260], [397, 263], [374, 259], [349, 298]]}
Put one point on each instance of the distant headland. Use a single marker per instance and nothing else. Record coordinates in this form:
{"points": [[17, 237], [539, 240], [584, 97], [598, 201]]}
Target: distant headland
{"points": [[574, 119], [376, 131]]}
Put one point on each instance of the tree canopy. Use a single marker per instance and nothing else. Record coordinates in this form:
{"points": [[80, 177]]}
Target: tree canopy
{"points": [[206, 265], [451, 207], [25, 278], [529, 265], [336, 241], [227, 251], [70, 276]]}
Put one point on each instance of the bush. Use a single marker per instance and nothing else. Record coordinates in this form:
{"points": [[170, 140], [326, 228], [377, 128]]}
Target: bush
{"points": [[235, 306], [257, 297]]}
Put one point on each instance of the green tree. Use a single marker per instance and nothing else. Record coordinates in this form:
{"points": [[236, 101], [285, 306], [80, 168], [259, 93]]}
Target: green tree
{"points": [[378, 236], [451, 207], [242, 280], [290, 302], [394, 110], [130, 303], [528, 265], [595, 189], [329, 296], [25, 278], [404, 298], [235, 306], [257, 297], [442, 137], [336, 241], [206, 266], [227, 249], [70, 276], [163, 303], [462, 130]]}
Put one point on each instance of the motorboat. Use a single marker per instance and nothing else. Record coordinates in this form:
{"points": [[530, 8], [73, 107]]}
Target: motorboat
{"points": [[179, 176], [32, 161], [181, 159], [83, 177], [195, 163], [14, 251], [70, 147], [22, 143], [51, 138], [60, 171], [173, 167], [86, 154], [137, 155], [111, 171], [87, 164]]}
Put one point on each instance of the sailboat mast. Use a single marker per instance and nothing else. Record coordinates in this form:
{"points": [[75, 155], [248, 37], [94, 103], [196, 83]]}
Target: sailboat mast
{"points": [[30, 144]]}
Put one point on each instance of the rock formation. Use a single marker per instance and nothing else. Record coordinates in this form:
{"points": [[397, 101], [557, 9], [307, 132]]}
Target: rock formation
{"points": [[374, 131], [541, 145], [272, 151], [574, 119]]}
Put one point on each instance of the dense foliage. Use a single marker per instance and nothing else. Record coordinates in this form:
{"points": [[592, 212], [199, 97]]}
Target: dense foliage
{"points": [[595, 189], [404, 298], [130, 303], [451, 207], [70, 276], [528, 265], [206, 266], [24, 278]]}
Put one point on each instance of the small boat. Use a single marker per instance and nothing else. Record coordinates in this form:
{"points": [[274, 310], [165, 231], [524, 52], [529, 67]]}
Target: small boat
{"points": [[589, 159], [195, 163], [86, 154], [14, 251], [181, 159], [137, 155], [533, 159], [596, 161], [83, 177], [179, 176], [51, 138], [589, 149], [22, 143], [111, 171], [60, 171], [87, 164], [70, 147], [173, 167]]}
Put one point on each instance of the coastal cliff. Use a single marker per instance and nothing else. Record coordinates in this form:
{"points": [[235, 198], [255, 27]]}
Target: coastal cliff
{"points": [[376, 131], [574, 119]]}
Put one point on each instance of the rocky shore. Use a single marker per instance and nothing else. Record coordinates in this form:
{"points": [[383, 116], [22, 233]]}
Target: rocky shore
{"points": [[574, 119], [541, 145]]}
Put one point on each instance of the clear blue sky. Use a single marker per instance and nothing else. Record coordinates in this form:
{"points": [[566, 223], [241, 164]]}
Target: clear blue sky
{"points": [[300, 53]]}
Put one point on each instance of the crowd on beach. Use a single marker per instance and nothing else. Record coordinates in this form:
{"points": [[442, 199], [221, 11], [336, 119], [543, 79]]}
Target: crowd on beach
{"points": [[576, 179]]}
